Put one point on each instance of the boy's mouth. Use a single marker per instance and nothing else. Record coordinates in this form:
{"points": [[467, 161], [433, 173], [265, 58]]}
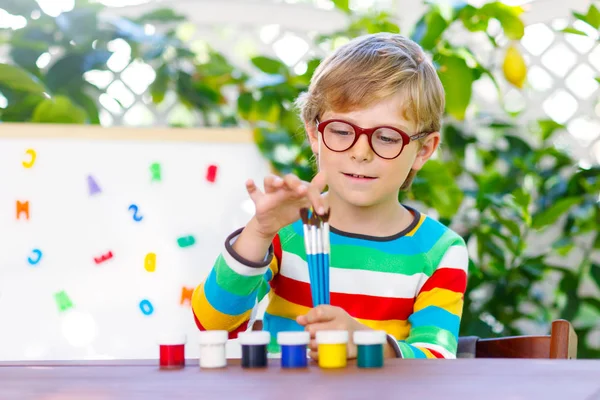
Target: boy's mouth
{"points": [[358, 176]]}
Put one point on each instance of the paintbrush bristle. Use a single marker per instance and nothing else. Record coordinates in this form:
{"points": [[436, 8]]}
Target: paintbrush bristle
{"points": [[325, 216], [314, 219], [304, 215]]}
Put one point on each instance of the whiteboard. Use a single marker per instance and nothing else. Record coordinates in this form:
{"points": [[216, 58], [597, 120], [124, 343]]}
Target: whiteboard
{"points": [[80, 191]]}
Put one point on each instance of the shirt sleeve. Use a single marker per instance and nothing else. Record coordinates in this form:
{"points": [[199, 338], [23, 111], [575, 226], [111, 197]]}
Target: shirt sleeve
{"points": [[225, 299], [437, 312]]}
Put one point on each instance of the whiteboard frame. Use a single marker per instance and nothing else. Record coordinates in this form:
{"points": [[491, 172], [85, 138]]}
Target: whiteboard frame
{"points": [[97, 132]]}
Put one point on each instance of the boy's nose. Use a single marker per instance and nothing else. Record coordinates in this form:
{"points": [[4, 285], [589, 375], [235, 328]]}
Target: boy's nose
{"points": [[361, 151]]}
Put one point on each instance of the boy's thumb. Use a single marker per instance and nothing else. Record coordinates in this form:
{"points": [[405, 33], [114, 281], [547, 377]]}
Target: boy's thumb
{"points": [[320, 181]]}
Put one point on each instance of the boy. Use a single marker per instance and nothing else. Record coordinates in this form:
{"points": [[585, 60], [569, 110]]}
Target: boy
{"points": [[392, 268]]}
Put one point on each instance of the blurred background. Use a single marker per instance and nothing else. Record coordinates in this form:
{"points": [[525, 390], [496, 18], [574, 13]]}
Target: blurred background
{"points": [[517, 174]]}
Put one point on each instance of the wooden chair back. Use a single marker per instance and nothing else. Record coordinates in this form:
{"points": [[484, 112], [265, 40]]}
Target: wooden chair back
{"points": [[560, 344]]}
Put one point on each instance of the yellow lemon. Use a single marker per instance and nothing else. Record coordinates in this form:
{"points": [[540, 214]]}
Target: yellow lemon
{"points": [[514, 67]]}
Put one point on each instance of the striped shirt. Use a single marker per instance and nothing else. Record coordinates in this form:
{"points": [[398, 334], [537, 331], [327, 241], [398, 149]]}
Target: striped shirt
{"points": [[410, 285]]}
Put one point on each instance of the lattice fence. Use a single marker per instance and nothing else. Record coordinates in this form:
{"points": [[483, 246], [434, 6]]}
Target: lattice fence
{"points": [[561, 82]]}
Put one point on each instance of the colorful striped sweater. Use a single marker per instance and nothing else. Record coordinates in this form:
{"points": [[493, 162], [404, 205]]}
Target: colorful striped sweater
{"points": [[411, 285]]}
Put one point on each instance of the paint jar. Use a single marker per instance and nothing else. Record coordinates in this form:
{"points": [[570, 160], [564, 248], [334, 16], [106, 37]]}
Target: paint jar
{"points": [[370, 348], [172, 351], [254, 348], [212, 348], [332, 348], [293, 348]]}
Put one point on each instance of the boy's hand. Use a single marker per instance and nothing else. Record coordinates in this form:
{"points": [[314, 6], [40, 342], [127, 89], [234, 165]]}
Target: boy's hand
{"points": [[282, 200], [325, 317]]}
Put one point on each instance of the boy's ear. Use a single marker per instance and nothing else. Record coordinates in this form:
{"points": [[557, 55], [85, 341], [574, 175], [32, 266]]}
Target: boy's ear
{"points": [[428, 147], [313, 136]]}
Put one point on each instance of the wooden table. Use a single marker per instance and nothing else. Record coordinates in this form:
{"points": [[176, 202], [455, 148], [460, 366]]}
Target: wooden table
{"points": [[399, 380]]}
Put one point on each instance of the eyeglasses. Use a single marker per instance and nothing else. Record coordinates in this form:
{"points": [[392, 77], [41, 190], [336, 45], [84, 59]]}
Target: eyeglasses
{"points": [[385, 141]]}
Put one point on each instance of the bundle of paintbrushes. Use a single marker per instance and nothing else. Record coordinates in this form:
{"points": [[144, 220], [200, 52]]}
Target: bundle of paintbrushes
{"points": [[316, 242]]}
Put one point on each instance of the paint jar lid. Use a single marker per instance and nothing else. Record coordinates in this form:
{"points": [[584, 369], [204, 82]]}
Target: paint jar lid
{"points": [[171, 338], [368, 337], [332, 337], [254, 338], [213, 337], [293, 338]]}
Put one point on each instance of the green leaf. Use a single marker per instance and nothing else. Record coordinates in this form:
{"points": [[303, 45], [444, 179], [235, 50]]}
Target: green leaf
{"points": [[245, 103], [160, 15], [18, 79], [552, 213], [269, 108], [22, 110], [592, 17], [595, 273], [19, 7], [473, 19], [70, 68], [457, 79], [563, 246], [429, 29], [508, 16], [159, 87], [342, 5], [79, 25], [548, 127], [573, 31], [28, 44], [88, 104], [435, 185], [59, 110], [269, 65]]}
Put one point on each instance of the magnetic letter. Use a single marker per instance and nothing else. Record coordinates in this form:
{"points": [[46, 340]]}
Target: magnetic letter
{"points": [[94, 188], [62, 301], [150, 262], [146, 307], [32, 155], [135, 209], [211, 173], [186, 295], [155, 170], [186, 241], [23, 208], [103, 258], [35, 259]]}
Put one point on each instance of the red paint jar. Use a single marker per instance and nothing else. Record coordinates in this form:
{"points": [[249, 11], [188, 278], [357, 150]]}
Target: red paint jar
{"points": [[172, 352]]}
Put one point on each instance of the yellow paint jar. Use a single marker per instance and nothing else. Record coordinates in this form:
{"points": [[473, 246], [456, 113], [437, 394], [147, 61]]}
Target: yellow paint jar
{"points": [[332, 348]]}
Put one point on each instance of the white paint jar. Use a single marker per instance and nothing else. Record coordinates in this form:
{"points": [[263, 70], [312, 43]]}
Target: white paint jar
{"points": [[212, 349]]}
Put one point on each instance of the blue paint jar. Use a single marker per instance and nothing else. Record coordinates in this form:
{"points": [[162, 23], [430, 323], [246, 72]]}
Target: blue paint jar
{"points": [[293, 348]]}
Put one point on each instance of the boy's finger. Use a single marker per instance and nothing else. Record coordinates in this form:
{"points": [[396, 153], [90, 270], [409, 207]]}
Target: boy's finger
{"points": [[301, 319], [321, 326], [319, 181], [315, 190], [314, 355], [253, 191], [295, 185], [272, 183], [322, 313], [312, 345]]}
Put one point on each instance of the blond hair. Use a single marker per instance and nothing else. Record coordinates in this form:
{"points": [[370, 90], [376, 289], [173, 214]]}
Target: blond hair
{"points": [[372, 68]]}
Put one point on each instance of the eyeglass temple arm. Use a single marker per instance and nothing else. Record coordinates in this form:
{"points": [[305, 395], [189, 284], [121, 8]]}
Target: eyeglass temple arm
{"points": [[419, 136]]}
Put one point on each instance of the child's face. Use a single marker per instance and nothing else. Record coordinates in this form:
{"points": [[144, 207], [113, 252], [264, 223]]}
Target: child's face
{"points": [[382, 177]]}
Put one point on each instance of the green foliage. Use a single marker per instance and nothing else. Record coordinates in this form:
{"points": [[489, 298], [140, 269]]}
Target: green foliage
{"points": [[501, 186]]}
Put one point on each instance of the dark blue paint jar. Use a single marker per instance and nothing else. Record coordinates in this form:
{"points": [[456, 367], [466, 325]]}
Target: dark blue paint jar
{"points": [[254, 348], [293, 348]]}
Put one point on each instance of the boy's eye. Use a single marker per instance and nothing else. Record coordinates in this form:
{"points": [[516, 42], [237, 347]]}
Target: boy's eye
{"points": [[388, 139], [342, 133]]}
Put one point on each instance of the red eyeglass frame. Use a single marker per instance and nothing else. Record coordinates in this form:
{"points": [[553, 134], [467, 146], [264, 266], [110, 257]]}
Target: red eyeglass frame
{"points": [[406, 138]]}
